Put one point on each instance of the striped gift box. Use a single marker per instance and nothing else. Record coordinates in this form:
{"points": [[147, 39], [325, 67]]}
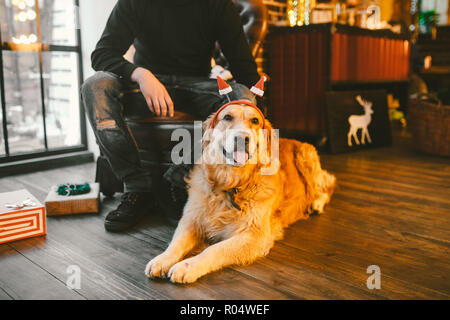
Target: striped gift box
{"points": [[20, 223]]}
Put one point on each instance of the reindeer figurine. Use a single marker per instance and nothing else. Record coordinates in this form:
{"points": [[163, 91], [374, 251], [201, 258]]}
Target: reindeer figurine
{"points": [[360, 122]]}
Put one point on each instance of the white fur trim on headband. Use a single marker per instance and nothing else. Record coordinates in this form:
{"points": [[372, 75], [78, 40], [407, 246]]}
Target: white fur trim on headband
{"points": [[225, 90], [257, 91]]}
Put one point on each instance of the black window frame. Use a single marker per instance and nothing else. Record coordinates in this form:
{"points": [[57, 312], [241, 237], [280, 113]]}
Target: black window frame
{"points": [[40, 48]]}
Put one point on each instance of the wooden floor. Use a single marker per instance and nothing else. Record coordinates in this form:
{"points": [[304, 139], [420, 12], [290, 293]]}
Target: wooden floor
{"points": [[392, 209]]}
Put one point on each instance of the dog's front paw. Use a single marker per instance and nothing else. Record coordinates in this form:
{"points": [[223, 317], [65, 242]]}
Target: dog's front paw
{"points": [[186, 271], [159, 266], [318, 204]]}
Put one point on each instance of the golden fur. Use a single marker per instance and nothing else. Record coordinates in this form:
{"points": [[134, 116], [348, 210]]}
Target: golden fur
{"points": [[269, 203]]}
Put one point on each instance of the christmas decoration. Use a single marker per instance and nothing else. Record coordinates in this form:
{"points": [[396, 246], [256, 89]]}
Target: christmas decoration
{"points": [[298, 12], [21, 216], [73, 189], [72, 199], [225, 89], [258, 88]]}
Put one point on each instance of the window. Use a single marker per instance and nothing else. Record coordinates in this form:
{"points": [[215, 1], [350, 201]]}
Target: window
{"points": [[438, 6], [40, 63]]}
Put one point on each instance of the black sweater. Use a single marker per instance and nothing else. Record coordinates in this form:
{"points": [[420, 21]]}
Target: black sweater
{"points": [[174, 37]]}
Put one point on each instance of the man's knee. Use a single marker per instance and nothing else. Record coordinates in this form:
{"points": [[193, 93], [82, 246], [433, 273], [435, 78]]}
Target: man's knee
{"points": [[100, 82], [96, 94]]}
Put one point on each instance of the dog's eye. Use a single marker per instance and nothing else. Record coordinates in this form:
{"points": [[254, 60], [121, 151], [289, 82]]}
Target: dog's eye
{"points": [[255, 121], [227, 117]]}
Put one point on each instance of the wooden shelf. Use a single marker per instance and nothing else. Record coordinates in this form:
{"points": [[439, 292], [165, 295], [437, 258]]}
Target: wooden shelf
{"points": [[305, 62]]}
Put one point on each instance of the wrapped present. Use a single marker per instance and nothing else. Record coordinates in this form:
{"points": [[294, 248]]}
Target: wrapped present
{"points": [[21, 216], [73, 199]]}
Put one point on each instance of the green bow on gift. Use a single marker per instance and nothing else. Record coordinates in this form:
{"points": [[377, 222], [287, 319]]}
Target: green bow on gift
{"points": [[73, 189]]}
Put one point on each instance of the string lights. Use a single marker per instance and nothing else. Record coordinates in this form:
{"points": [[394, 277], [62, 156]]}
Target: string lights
{"points": [[299, 11], [26, 13], [23, 16], [24, 39]]}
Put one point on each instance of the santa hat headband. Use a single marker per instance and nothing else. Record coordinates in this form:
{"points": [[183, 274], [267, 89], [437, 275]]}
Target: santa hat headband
{"points": [[225, 89], [258, 88]]}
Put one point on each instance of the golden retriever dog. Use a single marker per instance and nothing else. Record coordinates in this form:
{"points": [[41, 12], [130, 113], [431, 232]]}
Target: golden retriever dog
{"points": [[234, 208]]}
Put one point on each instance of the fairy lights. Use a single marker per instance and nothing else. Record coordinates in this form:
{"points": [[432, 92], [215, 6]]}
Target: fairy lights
{"points": [[24, 39], [22, 4], [298, 12], [292, 12], [25, 14]]}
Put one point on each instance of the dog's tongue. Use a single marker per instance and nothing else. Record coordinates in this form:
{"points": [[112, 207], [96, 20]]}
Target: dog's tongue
{"points": [[240, 156]]}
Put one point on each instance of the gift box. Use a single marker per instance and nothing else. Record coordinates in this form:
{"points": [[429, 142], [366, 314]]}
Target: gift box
{"points": [[21, 216], [57, 204]]}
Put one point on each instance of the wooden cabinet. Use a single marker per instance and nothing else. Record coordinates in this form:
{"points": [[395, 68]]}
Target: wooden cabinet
{"points": [[359, 57], [305, 62]]}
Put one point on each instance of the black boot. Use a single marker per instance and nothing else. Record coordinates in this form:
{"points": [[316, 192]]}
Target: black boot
{"points": [[174, 196], [171, 201], [133, 206]]}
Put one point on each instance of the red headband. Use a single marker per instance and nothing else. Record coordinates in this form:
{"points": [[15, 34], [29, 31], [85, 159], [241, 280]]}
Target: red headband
{"points": [[244, 102]]}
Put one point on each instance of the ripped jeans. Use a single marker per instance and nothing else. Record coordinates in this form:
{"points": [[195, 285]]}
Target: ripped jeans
{"points": [[101, 100]]}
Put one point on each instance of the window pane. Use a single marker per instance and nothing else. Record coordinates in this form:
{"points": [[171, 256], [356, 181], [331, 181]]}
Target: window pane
{"points": [[59, 19], [23, 101], [62, 98], [2, 140], [18, 21]]}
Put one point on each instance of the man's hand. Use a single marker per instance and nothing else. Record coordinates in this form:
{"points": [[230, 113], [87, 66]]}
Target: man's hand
{"points": [[154, 92]]}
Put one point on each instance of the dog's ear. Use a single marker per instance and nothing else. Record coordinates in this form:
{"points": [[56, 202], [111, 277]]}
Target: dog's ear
{"points": [[207, 131], [268, 149], [267, 142]]}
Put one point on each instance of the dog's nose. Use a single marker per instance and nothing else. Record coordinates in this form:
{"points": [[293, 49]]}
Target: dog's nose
{"points": [[241, 140]]}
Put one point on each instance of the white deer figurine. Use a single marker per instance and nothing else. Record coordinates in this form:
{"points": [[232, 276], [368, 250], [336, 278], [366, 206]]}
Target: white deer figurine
{"points": [[360, 122]]}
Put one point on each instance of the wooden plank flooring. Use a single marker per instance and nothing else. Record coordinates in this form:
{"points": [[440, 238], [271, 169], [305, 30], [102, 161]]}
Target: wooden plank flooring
{"points": [[391, 209]]}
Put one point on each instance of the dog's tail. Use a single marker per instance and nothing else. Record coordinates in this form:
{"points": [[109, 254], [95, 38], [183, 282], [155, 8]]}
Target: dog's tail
{"points": [[319, 183]]}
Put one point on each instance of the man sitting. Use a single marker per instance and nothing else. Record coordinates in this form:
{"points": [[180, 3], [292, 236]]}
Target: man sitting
{"points": [[174, 41]]}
